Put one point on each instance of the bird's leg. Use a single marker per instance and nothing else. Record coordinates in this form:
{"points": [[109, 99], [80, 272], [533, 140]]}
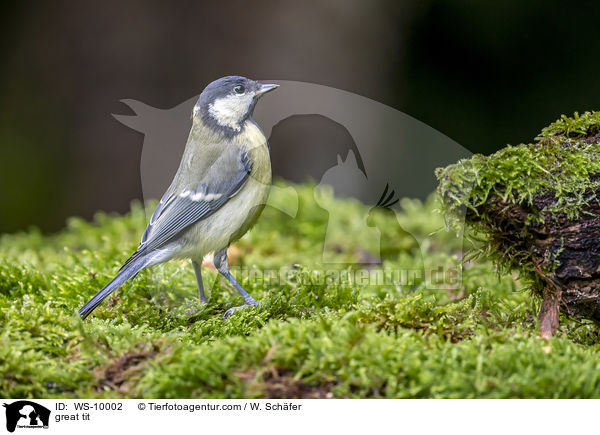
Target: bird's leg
{"points": [[201, 295], [222, 266]]}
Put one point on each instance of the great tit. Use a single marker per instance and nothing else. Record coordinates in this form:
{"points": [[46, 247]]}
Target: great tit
{"points": [[217, 194]]}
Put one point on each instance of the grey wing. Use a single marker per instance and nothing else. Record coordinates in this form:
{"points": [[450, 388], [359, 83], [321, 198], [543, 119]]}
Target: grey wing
{"points": [[179, 210], [157, 212]]}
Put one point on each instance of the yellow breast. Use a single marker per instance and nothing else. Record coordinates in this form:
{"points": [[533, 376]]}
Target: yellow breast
{"points": [[253, 140]]}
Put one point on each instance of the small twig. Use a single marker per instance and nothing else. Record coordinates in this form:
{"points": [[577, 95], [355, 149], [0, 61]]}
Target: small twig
{"points": [[548, 279], [549, 311]]}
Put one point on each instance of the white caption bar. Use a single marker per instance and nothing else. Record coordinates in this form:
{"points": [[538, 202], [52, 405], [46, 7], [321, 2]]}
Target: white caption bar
{"points": [[264, 416]]}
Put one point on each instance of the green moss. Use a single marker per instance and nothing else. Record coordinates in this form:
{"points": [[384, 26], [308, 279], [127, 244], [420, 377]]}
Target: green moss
{"points": [[553, 178], [562, 161], [151, 339], [576, 127]]}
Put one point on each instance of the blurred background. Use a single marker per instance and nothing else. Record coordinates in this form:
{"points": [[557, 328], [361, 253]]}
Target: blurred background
{"points": [[484, 74]]}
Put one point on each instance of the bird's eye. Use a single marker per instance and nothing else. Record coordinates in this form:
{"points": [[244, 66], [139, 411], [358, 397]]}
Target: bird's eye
{"points": [[239, 89]]}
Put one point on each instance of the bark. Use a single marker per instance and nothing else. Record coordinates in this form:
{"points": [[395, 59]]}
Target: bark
{"points": [[564, 252]]}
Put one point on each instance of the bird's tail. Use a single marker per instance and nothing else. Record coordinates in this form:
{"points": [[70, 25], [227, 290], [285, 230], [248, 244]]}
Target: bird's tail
{"points": [[129, 271]]}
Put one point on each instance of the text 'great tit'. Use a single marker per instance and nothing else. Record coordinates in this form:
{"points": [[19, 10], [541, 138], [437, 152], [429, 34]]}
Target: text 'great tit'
{"points": [[218, 192]]}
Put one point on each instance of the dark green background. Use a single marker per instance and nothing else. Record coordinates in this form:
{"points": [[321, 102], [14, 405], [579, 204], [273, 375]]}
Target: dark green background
{"points": [[483, 73]]}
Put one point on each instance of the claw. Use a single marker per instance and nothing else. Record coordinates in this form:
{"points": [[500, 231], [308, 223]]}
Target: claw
{"points": [[232, 310]]}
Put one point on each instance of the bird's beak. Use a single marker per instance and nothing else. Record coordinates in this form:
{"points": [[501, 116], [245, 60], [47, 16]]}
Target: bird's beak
{"points": [[264, 88]]}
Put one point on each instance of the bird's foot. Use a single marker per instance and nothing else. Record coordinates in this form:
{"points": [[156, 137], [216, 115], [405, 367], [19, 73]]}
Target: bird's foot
{"points": [[232, 310]]}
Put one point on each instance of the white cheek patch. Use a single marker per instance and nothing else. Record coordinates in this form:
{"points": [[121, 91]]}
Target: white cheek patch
{"points": [[199, 196], [228, 111]]}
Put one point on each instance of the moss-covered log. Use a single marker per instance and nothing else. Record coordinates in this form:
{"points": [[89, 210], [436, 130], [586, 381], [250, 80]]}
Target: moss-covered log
{"points": [[537, 206]]}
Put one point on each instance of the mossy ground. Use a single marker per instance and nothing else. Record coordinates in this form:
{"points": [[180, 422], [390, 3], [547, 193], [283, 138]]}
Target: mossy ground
{"points": [[319, 339]]}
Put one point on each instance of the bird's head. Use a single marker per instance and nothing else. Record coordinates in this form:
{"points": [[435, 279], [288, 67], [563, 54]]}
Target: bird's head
{"points": [[228, 102]]}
